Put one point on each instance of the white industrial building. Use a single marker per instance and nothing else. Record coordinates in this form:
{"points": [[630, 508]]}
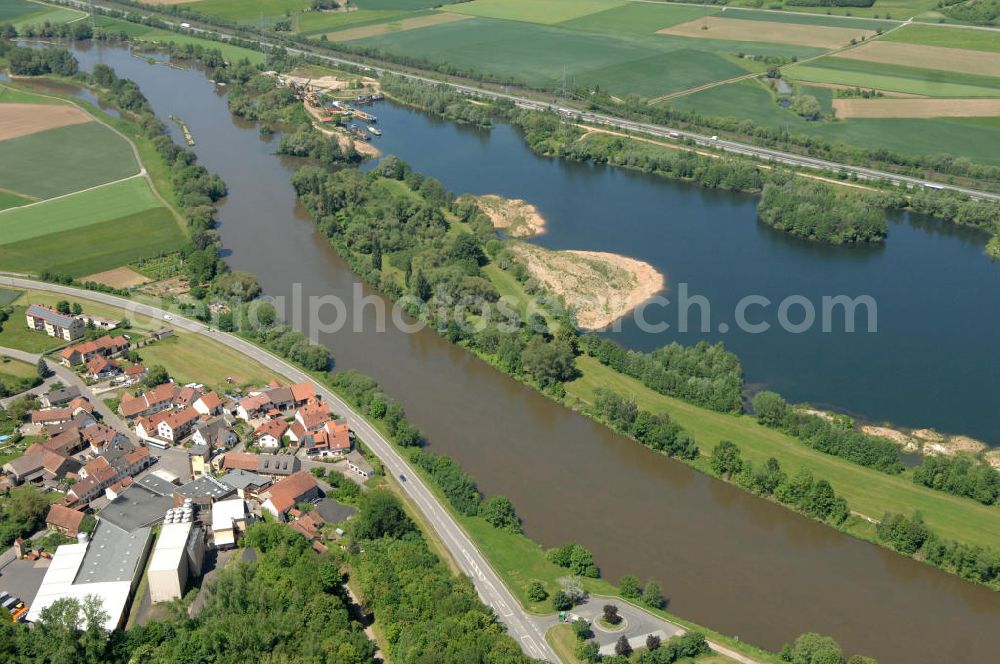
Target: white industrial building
{"points": [[108, 567], [178, 555], [229, 519]]}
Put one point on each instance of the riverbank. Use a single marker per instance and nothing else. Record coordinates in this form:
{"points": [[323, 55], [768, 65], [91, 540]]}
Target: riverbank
{"points": [[515, 217], [600, 287]]}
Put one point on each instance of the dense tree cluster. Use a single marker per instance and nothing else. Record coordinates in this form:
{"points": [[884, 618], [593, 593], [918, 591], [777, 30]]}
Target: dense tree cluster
{"points": [[961, 477], [22, 513], [427, 614], [801, 492], [258, 321], [835, 435], [817, 211], [25, 61], [912, 537], [576, 558], [307, 141], [981, 12], [658, 432], [457, 485], [704, 374]]}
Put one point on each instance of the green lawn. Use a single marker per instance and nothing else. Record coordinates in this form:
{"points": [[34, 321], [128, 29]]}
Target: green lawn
{"points": [[914, 80], [15, 334], [547, 12], [113, 201], [316, 23], [563, 641], [9, 200], [194, 358], [16, 375], [8, 295], [865, 490], [65, 159], [247, 11], [933, 35], [229, 51], [98, 247], [9, 95]]}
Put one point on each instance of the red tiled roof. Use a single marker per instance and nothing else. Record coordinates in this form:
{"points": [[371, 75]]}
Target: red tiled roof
{"points": [[51, 415], [287, 492], [181, 418], [132, 406], [137, 455], [303, 392], [135, 370], [99, 363], [276, 428], [65, 518], [240, 460], [313, 415], [256, 402], [211, 400], [81, 402], [186, 396]]}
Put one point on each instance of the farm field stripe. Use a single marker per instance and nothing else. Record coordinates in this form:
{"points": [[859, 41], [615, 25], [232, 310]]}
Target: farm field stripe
{"points": [[916, 108], [363, 32], [764, 31], [960, 60]]}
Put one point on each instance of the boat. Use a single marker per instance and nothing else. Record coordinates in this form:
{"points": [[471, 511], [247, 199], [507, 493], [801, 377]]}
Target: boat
{"points": [[374, 130]]}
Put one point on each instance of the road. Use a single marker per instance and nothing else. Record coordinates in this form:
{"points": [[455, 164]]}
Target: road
{"points": [[660, 131], [528, 630], [69, 377]]}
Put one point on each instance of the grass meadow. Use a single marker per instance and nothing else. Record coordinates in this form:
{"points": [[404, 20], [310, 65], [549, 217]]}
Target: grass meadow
{"points": [[98, 247], [72, 212], [931, 35], [63, 160], [247, 11], [549, 12], [896, 78], [867, 491], [9, 200]]}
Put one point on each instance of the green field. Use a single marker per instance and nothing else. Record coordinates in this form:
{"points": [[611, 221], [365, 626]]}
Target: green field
{"points": [[12, 9], [400, 5], [193, 358], [63, 160], [316, 23], [8, 295], [229, 51], [247, 11], [15, 334], [802, 19], [548, 12], [540, 55], [895, 9], [897, 78], [9, 200], [637, 18], [90, 207], [133, 30], [930, 35], [10, 95], [98, 247], [865, 490]]}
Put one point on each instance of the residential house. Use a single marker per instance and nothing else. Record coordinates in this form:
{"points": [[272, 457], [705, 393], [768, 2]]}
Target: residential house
{"points": [[313, 415], [253, 406], [303, 393], [151, 401], [102, 437], [332, 439], [246, 483], [38, 463], [359, 465], [208, 404], [100, 368], [176, 425], [60, 396], [199, 458], [67, 443], [53, 323], [273, 465], [51, 416], [134, 374], [270, 433], [306, 523], [281, 398], [116, 489], [96, 476], [186, 396], [298, 488], [214, 434], [80, 420], [64, 520], [202, 491], [106, 346]]}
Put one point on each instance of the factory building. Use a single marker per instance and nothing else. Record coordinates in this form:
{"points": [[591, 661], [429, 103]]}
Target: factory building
{"points": [[178, 555]]}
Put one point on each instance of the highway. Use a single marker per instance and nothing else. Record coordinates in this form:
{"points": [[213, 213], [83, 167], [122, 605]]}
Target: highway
{"points": [[659, 131], [527, 630]]}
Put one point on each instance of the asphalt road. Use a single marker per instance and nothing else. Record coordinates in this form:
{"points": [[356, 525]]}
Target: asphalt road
{"points": [[660, 131], [527, 630]]}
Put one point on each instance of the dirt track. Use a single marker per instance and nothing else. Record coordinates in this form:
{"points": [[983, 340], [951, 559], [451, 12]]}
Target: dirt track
{"points": [[916, 108], [23, 119], [767, 31]]}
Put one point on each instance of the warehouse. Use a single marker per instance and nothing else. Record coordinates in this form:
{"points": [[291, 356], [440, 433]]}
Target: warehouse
{"points": [[178, 555]]}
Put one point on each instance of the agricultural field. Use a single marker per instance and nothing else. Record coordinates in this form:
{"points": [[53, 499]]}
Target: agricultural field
{"points": [[318, 23], [736, 29], [193, 358], [25, 12], [549, 12], [9, 200], [895, 78], [928, 35], [895, 9], [410, 23], [243, 11], [960, 60]]}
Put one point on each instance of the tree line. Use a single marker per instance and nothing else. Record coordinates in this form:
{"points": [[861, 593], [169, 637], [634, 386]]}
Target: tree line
{"points": [[815, 211]]}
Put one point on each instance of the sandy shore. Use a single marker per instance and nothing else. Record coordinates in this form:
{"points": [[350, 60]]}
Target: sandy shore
{"points": [[515, 217], [932, 443], [602, 287]]}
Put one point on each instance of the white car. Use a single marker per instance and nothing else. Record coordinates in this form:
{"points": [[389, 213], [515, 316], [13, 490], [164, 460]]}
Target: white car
{"points": [[167, 317]]}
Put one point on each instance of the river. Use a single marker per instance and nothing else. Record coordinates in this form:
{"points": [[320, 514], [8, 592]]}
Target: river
{"points": [[725, 559]]}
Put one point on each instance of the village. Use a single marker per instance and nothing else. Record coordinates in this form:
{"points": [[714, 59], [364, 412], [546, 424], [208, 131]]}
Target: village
{"points": [[151, 482]]}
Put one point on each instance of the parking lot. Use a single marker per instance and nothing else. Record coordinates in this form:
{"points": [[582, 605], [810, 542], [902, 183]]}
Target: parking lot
{"points": [[22, 578]]}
